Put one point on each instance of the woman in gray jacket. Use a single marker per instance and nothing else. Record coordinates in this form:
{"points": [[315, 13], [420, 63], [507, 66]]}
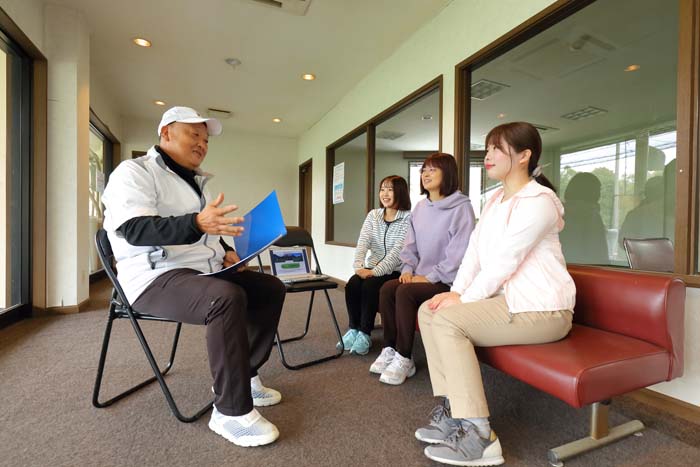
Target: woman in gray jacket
{"points": [[382, 235]]}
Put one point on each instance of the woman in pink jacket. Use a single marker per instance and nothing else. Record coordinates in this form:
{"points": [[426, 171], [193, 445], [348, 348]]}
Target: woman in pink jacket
{"points": [[511, 288]]}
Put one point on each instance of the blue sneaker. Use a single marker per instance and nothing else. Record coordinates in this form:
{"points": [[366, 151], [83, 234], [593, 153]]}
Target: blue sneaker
{"points": [[362, 344], [348, 340]]}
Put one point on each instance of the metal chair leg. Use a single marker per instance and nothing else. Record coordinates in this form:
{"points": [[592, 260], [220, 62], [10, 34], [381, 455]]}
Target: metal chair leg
{"points": [[299, 366], [158, 373], [601, 434], [335, 321], [308, 321]]}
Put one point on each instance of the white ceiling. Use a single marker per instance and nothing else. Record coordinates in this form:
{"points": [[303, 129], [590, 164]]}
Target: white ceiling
{"points": [[340, 41]]}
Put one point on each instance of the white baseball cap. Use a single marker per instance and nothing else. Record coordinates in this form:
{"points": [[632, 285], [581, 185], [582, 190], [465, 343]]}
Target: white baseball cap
{"points": [[188, 115]]}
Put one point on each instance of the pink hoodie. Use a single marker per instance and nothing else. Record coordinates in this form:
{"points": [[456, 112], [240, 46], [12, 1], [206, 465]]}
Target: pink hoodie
{"points": [[528, 262]]}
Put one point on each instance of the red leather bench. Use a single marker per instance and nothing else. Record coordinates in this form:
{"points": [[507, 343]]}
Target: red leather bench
{"points": [[627, 334]]}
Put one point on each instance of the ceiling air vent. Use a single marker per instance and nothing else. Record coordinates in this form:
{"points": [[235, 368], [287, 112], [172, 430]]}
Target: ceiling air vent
{"points": [[294, 7], [388, 134], [580, 42], [586, 112], [218, 113], [544, 128], [484, 88]]}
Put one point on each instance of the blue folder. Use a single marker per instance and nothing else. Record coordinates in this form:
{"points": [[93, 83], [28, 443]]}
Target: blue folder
{"points": [[263, 225]]}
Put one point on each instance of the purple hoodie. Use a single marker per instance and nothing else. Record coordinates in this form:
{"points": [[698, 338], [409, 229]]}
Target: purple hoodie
{"points": [[437, 238]]}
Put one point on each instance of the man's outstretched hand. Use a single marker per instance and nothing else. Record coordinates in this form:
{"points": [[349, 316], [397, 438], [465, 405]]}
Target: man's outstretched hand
{"points": [[214, 220]]}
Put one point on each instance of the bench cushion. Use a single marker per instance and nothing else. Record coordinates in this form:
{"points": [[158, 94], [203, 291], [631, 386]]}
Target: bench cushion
{"points": [[589, 365]]}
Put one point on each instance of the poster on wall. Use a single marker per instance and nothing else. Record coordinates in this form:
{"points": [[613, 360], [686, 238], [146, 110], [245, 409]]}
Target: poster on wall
{"points": [[338, 182]]}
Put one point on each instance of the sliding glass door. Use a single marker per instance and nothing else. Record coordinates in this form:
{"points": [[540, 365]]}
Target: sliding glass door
{"points": [[15, 233]]}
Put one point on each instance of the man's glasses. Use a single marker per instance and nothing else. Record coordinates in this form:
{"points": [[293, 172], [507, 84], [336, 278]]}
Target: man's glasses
{"points": [[429, 170]]}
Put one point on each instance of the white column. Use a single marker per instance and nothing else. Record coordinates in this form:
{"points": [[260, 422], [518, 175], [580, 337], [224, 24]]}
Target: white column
{"points": [[68, 53]]}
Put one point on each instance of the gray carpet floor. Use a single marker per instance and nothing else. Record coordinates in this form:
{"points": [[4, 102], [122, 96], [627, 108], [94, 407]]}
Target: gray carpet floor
{"points": [[332, 414]]}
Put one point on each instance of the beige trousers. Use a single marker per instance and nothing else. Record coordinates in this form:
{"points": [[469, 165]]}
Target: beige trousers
{"points": [[449, 337]]}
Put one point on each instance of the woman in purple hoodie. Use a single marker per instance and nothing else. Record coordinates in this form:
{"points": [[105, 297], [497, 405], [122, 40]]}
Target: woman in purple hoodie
{"points": [[435, 244]]}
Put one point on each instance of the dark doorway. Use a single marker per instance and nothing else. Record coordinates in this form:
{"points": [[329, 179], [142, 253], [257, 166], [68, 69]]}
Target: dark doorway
{"points": [[305, 186]]}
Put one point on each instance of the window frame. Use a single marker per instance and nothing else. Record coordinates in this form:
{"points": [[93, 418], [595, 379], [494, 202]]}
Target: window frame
{"points": [[19, 154], [112, 144], [687, 117], [369, 128], [110, 148]]}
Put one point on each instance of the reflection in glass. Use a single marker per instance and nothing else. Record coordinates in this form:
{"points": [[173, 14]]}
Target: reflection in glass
{"points": [[584, 238], [609, 134], [95, 188], [405, 139], [349, 214]]}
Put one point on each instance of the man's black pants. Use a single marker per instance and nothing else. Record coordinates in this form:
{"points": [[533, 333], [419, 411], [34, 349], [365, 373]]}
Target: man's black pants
{"points": [[241, 314]]}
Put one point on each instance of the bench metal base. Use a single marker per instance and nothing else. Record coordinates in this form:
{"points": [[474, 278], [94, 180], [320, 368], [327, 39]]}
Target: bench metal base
{"points": [[600, 436]]}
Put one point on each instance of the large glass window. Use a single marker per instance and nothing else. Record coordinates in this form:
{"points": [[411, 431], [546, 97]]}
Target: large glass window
{"points": [[14, 177], [404, 140], [395, 142], [600, 85], [95, 188], [349, 172]]}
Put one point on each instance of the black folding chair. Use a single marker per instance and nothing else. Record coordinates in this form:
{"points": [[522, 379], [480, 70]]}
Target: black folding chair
{"points": [[298, 237], [120, 308]]}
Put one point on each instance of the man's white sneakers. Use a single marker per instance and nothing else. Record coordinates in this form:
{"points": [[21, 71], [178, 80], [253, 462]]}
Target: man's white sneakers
{"points": [[247, 430], [251, 429], [263, 396]]}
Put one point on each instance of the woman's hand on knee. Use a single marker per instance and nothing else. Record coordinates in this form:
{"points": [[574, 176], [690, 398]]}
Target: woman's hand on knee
{"points": [[406, 278], [443, 300], [364, 273]]}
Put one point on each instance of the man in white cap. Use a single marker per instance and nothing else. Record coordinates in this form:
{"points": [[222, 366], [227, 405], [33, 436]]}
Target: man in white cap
{"points": [[165, 230]]}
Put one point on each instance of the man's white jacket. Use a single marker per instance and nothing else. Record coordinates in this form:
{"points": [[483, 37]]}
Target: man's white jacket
{"points": [[147, 187]]}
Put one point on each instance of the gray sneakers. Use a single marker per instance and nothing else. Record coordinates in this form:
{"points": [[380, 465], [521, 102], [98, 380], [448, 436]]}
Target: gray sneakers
{"points": [[440, 427], [465, 447], [247, 430]]}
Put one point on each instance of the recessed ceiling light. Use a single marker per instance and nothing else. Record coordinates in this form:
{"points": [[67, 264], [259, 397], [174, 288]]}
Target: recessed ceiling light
{"points": [[277, 120], [233, 62], [308, 76], [501, 115], [159, 102], [632, 68], [141, 42]]}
